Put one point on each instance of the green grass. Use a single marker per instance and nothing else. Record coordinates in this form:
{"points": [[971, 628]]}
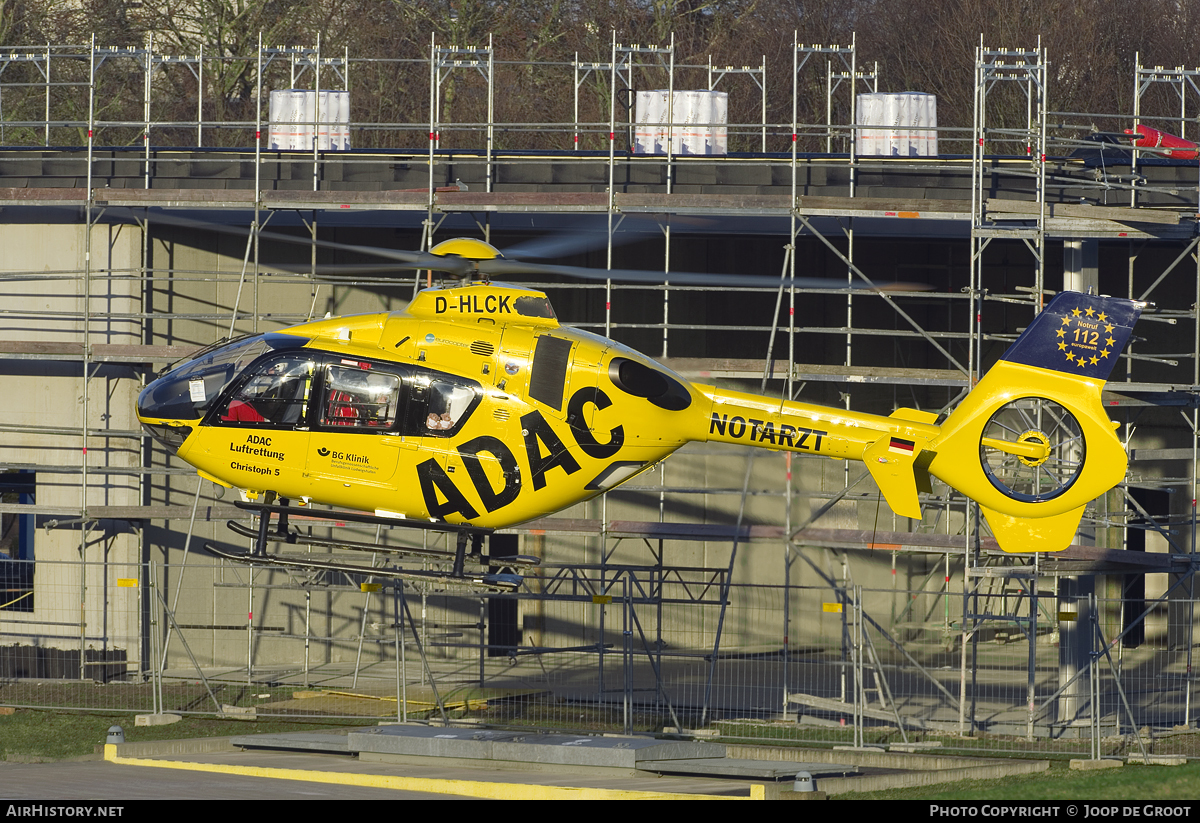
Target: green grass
{"points": [[765, 733], [36, 734], [1155, 783], [137, 697]]}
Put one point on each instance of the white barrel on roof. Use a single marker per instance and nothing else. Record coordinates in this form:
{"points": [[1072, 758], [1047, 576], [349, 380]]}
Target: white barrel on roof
{"points": [[341, 133], [650, 118], [299, 116], [696, 116], [694, 122], [288, 128], [896, 125], [718, 133]]}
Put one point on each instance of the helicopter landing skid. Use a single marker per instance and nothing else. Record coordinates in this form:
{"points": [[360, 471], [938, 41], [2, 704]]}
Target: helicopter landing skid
{"points": [[297, 539], [488, 582], [283, 533]]}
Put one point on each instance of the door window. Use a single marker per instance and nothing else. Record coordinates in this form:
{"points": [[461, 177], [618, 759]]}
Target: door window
{"points": [[358, 396]]}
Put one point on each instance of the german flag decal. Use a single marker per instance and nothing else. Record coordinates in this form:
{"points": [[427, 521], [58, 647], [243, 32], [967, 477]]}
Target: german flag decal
{"points": [[900, 446]]}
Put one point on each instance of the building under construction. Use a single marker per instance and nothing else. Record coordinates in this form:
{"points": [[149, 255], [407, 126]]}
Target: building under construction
{"points": [[776, 591]]}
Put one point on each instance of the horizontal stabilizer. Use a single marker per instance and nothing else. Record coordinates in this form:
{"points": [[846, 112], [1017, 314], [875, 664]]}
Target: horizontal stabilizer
{"points": [[890, 460], [915, 415]]}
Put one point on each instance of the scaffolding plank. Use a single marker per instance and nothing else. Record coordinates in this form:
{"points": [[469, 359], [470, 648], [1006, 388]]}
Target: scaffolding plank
{"points": [[724, 367], [1059, 227], [1075, 559], [174, 198], [829, 704], [116, 353], [692, 531], [10, 196], [1151, 395], [41, 348], [879, 374], [393, 200], [731, 204], [889, 208], [523, 201], [101, 352], [1085, 212], [1090, 558], [743, 369], [1161, 454]]}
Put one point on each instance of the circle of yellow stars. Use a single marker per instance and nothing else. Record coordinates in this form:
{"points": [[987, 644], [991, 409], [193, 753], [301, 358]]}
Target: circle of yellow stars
{"points": [[1082, 360]]}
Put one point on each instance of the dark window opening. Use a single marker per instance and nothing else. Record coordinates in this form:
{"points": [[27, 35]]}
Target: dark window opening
{"points": [[16, 543]]}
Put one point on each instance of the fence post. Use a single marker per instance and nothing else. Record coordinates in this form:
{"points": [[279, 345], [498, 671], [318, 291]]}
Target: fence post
{"points": [[157, 650], [401, 668], [627, 647], [856, 653], [1094, 673]]}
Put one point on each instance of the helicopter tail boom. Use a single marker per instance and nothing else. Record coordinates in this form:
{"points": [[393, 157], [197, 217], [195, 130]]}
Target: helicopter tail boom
{"points": [[895, 448], [1031, 443]]}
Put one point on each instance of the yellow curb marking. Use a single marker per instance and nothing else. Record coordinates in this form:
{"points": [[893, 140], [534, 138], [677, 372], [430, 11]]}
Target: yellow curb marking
{"points": [[467, 788]]}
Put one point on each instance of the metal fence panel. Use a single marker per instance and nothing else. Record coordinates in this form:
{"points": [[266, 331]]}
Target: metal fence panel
{"points": [[621, 648]]}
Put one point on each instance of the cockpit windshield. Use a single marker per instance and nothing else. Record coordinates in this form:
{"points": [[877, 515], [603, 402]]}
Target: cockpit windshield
{"points": [[531, 306], [186, 392]]}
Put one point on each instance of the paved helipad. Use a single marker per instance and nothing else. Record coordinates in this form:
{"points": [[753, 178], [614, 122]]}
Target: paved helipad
{"points": [[416, 760]]}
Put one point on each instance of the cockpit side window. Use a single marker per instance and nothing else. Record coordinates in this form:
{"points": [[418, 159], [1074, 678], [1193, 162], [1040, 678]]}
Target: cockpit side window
{"points": [[439, 404], [274, 395], [448, 402], [358, 396]]}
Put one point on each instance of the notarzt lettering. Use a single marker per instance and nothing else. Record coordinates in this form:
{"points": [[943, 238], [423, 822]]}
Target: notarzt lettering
{"points": [[766, 431]]}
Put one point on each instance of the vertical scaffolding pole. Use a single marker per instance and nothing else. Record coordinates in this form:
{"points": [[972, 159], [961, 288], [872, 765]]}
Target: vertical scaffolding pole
{"points": [[84, 528], [757, 74]]}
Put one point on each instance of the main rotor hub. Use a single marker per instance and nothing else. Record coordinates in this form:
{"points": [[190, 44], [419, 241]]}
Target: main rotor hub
{"points": [[466, 247]]}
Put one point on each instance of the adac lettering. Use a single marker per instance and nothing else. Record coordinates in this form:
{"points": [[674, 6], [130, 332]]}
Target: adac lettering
{"points": [[537, 432], [544, 452], [472, 304], [765, 431], [435, 481], [492, 499], [583, 434], [258, 446]]}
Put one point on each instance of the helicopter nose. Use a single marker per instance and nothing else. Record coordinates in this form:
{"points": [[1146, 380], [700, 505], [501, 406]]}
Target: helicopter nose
{"points": [[172, 437], [171, 399]]}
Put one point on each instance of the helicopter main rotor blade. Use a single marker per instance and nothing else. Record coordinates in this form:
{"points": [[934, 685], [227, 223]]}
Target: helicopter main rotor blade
{"points": [[456, 266], [343, 269], [501, 267], [464, 268], [582, 236]]}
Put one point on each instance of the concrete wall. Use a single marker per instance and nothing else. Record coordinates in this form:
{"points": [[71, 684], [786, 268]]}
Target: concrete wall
{"points": [[44, 300]]}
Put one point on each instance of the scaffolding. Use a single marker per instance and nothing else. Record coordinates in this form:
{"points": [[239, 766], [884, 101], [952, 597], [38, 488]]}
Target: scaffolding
{"points": [[1017, 196]]}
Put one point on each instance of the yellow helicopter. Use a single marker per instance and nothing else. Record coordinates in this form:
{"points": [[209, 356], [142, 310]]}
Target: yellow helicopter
{"points": [[473, 409]]}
